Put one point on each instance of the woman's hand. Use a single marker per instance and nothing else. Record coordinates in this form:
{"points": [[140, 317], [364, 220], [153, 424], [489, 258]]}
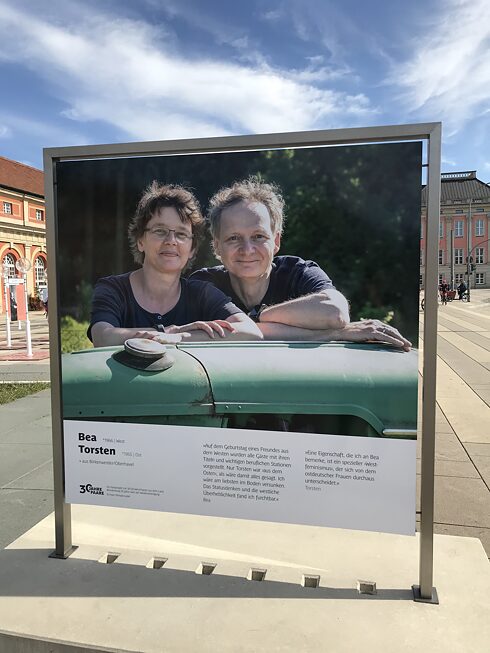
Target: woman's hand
{"points": [[166, 338], [373, 330], [151, 334], [211, 328]]}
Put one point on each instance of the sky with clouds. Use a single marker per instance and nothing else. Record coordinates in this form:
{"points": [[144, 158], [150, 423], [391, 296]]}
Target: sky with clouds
{"points": [[78, 72]]}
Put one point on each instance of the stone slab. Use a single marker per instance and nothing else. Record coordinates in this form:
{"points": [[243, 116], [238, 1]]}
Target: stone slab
{"points": [[40, 478], [468, 415], [464, 345], [483, 391], [455, 323], [462, 501], [19, 459], [453, 468], [17, 414], [478, 450], [475, 319], [18, 371], [31, 432], [483, 465], [449, 448], [483, 534], [19, 511], [481, 339], [469, 370], [126, 606]]}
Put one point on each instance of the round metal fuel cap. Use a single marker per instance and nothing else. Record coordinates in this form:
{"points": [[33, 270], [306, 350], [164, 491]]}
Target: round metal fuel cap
{"points": [[145, 355], [145, 348]]}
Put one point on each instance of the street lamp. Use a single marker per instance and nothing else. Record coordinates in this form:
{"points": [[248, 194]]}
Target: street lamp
{"points": [[6, 270], [23, 265]]}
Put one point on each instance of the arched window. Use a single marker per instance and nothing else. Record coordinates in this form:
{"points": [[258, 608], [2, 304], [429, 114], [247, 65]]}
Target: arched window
{"points": [[8, 264], [40, 272]]}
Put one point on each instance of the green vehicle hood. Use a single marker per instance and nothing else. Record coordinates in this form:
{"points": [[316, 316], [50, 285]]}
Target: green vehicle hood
{"points": [[94, 384], [375, 383]]}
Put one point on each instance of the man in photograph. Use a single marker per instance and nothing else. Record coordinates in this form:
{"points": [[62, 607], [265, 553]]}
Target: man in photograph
{"points": [[290, 298]]}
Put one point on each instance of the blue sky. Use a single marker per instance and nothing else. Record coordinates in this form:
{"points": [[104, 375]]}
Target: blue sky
{"points": [[79, 72]]}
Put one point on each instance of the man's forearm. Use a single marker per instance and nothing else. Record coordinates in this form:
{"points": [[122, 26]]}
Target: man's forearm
{"points": [[324, 310], [363, 331], [277, 331]]}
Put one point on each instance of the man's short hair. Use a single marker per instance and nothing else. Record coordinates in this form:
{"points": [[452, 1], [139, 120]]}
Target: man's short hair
{"points": [[247, 190], [157, 196]]}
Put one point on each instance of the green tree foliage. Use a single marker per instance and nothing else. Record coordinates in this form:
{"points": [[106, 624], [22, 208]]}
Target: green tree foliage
{"points": [[355, 210], [73, 335]]}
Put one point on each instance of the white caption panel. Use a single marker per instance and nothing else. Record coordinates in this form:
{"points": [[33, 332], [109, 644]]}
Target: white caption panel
{"points": [[324, 480]]}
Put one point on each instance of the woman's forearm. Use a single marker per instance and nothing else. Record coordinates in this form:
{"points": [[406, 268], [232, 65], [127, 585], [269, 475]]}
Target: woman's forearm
{"points": [[106, 335]]}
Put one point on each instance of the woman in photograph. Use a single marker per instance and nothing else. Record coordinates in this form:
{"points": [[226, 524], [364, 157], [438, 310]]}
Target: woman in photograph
{"points": [[155, 300]]}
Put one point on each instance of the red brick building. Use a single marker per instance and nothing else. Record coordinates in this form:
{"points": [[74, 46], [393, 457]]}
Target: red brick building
{"points": [[22, 223], [465, 221]]}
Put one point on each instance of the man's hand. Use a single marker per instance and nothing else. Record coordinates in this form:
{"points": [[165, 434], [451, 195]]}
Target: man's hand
{"points": [[363, 331], [372, 331]]}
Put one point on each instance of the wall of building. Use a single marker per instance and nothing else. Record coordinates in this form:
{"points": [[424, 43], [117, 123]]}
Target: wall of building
{"points": [[470, 224], [22, 234]]}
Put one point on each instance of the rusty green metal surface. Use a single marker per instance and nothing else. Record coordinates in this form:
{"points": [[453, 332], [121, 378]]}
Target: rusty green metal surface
{"points": [[375, 383], [223, 384], [95, 385]]}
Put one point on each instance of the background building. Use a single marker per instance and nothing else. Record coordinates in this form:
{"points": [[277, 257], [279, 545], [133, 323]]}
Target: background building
{"points": [[464, 221], [22, 223]]}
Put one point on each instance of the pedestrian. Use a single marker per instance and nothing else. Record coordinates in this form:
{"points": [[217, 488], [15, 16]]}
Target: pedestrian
{"points": [[44, 299], [462, 289], [443, 290]]}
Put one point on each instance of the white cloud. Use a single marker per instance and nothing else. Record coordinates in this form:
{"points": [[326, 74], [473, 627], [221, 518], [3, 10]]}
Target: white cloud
{"points": [[272, 15], [448, 162], [198, 16], [119, 71], [50, 135], [5, 131], [448, 75]]}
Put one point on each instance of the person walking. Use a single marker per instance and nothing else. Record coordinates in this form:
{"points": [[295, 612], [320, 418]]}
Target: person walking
{"points": [[443, 291], [461, 290]]}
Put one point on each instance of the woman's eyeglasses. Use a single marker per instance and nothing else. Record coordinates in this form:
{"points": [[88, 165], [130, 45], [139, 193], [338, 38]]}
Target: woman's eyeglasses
{"points": [[162, 233]]}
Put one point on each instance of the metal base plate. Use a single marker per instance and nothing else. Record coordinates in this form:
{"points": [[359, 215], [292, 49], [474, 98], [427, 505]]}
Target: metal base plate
{"points": [[418, 599], [65, 555]]}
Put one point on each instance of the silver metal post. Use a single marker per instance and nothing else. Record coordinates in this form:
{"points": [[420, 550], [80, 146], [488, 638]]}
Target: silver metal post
{"points": [[62, 510], [469, 259], [425, 591]]}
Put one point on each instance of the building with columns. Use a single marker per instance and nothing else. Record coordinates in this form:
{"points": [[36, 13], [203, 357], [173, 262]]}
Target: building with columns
{"points": [[464, 221], [22, 224]]}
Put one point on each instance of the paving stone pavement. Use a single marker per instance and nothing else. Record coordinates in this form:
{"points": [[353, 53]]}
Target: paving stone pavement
{"points": [[15, 365], [462, 466]]}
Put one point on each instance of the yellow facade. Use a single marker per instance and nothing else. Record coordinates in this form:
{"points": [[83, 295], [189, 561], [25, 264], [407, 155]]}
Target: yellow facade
{"points": [[22, 235]]}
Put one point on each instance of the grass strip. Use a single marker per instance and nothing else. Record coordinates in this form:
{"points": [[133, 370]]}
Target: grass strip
{"points": [[12, 391]]}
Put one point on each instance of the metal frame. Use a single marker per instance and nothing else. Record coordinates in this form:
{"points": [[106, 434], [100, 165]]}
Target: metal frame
{"points": [[430, 132]]}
